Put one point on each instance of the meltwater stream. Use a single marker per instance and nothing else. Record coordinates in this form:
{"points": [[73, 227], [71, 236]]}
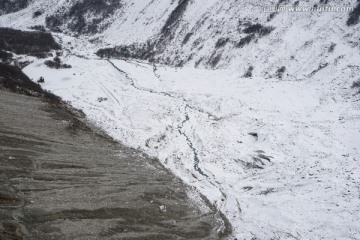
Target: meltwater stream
{"points": [[61, 180]]}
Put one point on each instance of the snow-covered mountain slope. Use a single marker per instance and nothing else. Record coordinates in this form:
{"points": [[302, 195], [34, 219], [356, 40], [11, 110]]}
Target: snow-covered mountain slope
{"points": [[270, 137], [209, 33]]}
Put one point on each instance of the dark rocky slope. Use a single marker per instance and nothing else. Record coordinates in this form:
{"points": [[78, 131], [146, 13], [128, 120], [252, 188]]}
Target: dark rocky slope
{"points": [[24, 42]]}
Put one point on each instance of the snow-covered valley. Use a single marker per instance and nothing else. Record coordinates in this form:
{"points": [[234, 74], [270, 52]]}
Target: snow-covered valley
{"points": [[256, 111], [279, 158]]}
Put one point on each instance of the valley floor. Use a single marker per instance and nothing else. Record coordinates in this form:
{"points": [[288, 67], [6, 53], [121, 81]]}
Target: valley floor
{"points": [[279, 158]]}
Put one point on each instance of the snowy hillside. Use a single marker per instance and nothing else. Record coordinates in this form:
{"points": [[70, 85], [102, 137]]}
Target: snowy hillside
{"points": [[256, 110], [209, 33]]}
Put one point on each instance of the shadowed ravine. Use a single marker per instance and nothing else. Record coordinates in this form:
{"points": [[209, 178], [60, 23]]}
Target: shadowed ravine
{"points": [[61, 180]]}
